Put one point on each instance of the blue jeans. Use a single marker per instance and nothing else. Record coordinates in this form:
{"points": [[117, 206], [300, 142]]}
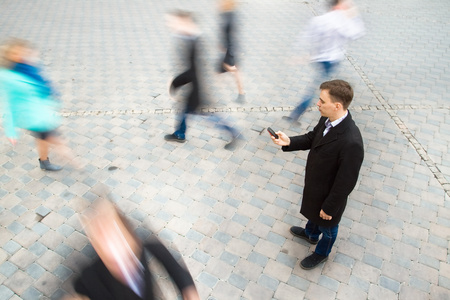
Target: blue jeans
{"points": [[180, 131], [324, 71], [329, 235]]}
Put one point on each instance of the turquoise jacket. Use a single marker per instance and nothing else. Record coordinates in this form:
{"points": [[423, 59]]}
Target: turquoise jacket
{"points": [[24, 105]]}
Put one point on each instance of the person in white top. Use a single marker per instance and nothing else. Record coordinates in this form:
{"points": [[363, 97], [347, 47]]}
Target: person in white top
{"points": [[324, 40]]}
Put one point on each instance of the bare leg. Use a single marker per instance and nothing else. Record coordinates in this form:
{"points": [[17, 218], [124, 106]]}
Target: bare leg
{"points": [[237, 76], [42, 149], [62, 150]]}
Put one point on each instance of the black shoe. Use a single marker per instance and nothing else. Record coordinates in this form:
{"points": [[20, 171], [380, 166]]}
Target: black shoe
{"points": [[240, 98], [300, 232], [175, 138], [312, 261], [231, 145], [48, 166]]}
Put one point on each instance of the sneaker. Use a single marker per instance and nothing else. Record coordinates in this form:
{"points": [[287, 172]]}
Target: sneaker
{"points": [[300, 232], [174, 138], [46, 165], [312, 261]]}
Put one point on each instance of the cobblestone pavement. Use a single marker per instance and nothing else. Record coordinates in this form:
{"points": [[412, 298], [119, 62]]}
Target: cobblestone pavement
{"points": [[228, 213]]}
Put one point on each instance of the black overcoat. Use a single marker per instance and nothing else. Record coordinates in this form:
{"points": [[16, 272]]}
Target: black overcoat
{"points": [[332, 168], [97, 283]]}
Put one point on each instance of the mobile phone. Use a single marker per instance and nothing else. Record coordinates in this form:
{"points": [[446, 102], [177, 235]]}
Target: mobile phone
{"points": [[272, 133]]}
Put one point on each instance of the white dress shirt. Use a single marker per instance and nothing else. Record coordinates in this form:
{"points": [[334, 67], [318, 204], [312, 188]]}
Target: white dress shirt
{"points": [[335, 123]]}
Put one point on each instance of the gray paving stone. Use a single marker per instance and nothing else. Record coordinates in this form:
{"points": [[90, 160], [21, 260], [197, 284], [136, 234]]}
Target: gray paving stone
{"points": [[42, 211], [359, 283], [268, 282], [31, 293], [11, 247], [329, 283], [15, 227], [63, 250], [201, 256], [276, 238], [207, 279], [19, 209], [62, 272], [8, 269], [238, 281], [344, 260], [37, 249], [229, 258], [40, 228], [65, 230], [390, 284], [420, 284], [5, 293], [35, 270]]}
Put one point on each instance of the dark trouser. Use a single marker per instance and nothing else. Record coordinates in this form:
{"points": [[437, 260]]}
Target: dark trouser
{"points": [[193, 101], [329, 235]]}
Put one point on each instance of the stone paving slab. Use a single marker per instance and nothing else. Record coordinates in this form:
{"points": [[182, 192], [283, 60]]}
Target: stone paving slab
{"points": [[227, 214]]}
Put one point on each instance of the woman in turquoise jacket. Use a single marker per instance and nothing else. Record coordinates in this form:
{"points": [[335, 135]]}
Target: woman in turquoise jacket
{"points": [[27, 100]]}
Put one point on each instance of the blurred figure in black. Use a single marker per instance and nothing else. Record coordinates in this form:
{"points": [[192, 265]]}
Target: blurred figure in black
{"points": [[121, 272], [184, 27], [228, 26], [324, 40]]}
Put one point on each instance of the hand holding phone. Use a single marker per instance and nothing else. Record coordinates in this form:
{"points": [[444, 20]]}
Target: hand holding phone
{"points": [[272, 133]]}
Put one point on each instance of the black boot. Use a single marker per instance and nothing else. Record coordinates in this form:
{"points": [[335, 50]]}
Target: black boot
{"points": [[48, 166]]}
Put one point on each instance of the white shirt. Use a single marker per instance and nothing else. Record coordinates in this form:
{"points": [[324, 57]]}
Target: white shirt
{"points": [[335, 123], [326, 35]]}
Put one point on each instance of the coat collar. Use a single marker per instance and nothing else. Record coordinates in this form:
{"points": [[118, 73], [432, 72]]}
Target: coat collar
{"points": [[332, 135]]}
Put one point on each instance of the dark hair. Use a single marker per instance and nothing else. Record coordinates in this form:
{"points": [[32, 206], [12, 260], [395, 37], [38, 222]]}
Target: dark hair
{"points": [[339, 90]]}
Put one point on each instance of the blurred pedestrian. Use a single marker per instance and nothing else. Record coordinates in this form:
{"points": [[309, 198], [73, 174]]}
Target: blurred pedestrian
{"points": [[121, 270], [28, 101], [332, 168], [324, 39], [229, 27], [185, 28]]}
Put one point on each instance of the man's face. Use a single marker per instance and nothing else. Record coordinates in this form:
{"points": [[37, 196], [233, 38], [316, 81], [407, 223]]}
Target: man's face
{"points": [[326, 106]]}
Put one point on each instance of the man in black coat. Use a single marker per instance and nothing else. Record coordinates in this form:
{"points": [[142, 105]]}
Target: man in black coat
{"points": [[332, 168]]}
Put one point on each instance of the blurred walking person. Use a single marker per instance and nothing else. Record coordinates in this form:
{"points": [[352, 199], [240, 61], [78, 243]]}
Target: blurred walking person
{"points": [[122, 270], [183, 25], [324, 40], [28, 101], [229, 45]]}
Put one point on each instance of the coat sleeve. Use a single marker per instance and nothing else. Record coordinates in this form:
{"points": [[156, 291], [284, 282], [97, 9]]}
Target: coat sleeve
{"points": [[6, 109], [304, 142], [350, 162], [180, 275]]}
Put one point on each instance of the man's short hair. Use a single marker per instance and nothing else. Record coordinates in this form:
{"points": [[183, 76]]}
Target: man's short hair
{"points": [[339, 90]]}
